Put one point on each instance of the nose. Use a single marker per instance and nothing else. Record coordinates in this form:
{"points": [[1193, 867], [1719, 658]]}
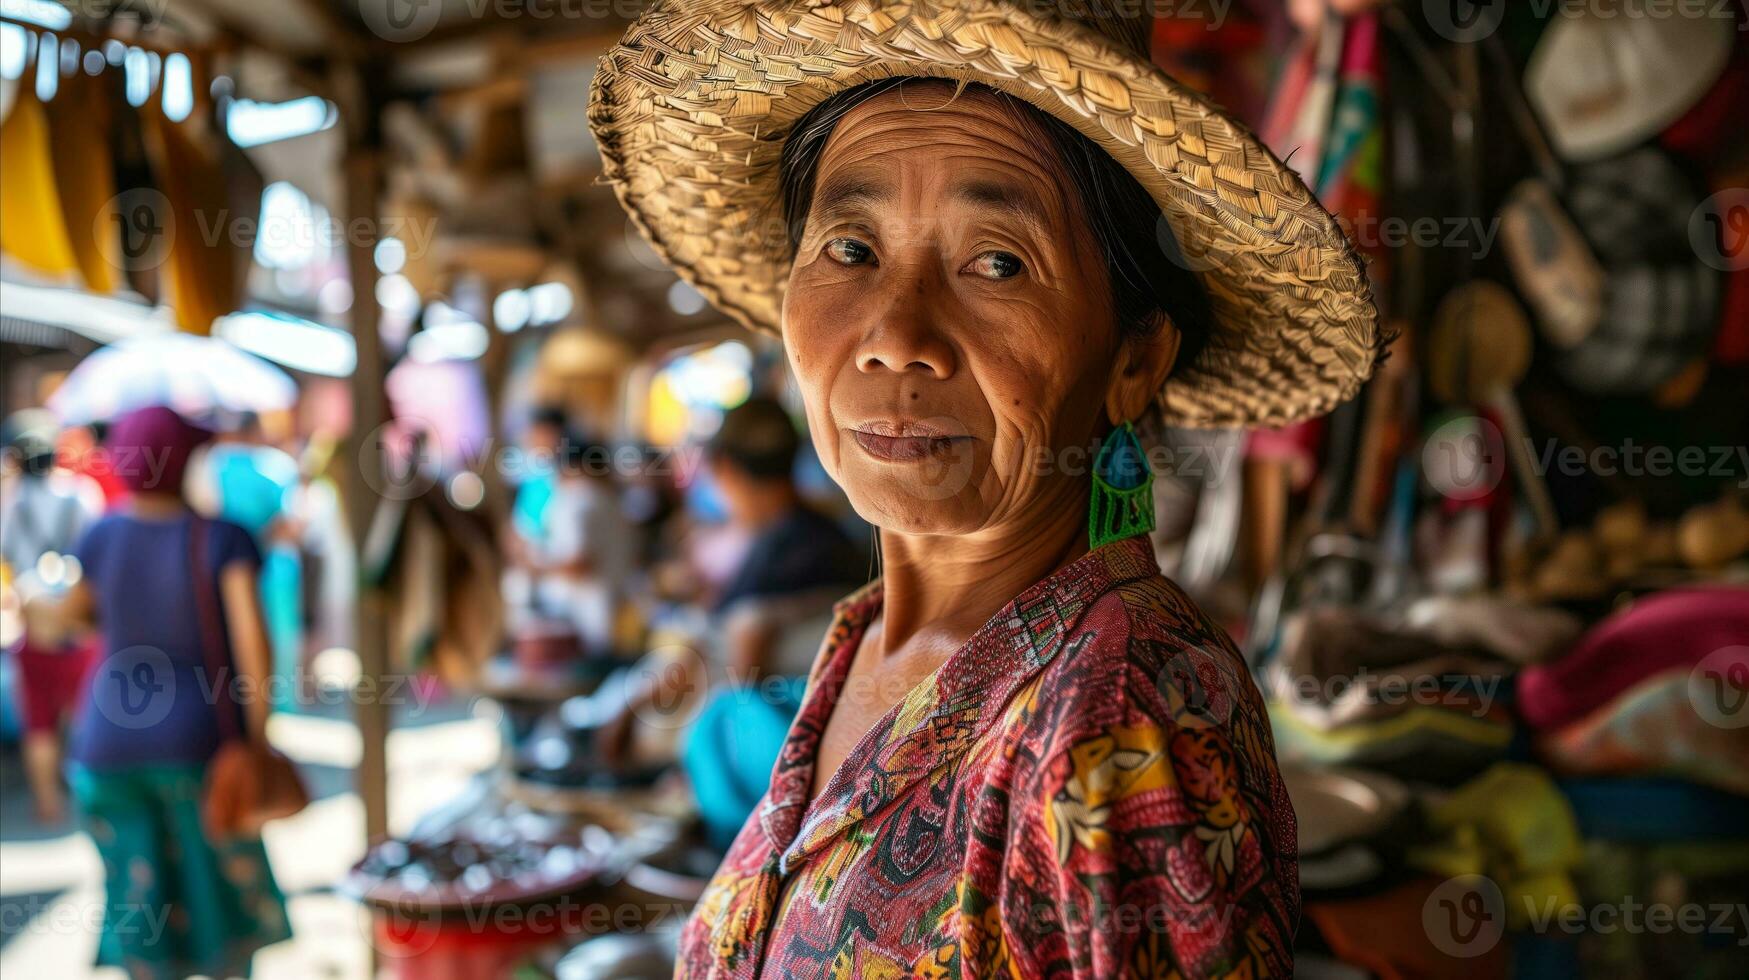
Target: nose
{"points": [[905, 334]]}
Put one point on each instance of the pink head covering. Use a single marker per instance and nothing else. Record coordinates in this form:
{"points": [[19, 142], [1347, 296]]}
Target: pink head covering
{"points": [[149, 449]]}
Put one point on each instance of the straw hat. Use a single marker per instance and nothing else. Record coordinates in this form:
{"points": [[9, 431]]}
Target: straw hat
{"points": [[692, 107]]}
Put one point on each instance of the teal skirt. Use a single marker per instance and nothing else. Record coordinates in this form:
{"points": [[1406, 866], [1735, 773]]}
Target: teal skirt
{"points": [[176, 903]]}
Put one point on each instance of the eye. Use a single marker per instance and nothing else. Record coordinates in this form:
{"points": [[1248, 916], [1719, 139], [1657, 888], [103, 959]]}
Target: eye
{"points": [[849, 251], [997, 265]]}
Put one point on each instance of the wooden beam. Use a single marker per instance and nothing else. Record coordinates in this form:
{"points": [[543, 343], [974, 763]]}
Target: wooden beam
{"points": [[363, 171]]}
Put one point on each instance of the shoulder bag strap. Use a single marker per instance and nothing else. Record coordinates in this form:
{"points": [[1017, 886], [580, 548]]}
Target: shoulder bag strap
{"points": [[212, 633]]}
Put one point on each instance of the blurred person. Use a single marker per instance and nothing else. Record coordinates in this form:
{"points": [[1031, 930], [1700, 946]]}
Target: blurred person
{"points": [[176, 598], [80, 450], [43, 511], [254, 485], [798, 560], [771, 612], [540, 448], [574, 565]]}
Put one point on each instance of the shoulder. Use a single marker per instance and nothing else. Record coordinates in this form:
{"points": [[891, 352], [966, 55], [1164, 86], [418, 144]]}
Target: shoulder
{"points": [[231, 543], [1151, 702], [1145, 782], [1144, 652]]}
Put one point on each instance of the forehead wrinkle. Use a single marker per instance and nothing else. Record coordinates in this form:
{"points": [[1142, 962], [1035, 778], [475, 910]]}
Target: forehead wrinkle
{"points": [[850, 192], [1023, 190]]}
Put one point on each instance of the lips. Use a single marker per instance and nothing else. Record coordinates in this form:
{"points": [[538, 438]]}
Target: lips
{"points": [[903, 442]]}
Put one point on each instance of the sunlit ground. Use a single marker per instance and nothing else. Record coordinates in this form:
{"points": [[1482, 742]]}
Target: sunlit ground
{"points": [[51, 881]]}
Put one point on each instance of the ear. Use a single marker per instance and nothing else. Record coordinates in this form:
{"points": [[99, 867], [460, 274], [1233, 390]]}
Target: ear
{"points": [[1139, 371]]}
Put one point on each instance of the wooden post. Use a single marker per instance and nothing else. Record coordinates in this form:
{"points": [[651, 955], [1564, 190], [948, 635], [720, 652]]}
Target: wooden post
{"points": [[362, 169]]}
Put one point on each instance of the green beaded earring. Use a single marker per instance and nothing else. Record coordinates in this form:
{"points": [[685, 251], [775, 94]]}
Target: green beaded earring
{"points": [[1123, 490]]}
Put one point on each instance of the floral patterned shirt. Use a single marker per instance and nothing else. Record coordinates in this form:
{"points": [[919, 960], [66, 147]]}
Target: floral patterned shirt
{"points": [[1087, 788]]}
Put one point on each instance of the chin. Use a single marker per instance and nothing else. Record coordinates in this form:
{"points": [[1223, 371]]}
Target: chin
{"points": [[912, 509]]}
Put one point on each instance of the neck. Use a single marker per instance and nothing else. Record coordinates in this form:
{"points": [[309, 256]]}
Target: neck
{"points": [[953, 584], [155, 504]]}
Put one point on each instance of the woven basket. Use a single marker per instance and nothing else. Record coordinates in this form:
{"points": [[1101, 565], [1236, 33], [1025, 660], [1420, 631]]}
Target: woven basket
{"points": [[692, 108]]}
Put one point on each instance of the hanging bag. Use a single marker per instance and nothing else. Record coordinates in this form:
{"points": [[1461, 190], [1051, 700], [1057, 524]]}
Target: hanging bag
{"points": [[247, 782]]}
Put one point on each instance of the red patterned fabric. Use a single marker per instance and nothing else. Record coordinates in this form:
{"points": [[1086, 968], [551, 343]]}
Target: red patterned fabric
{"points": [[1087, 788]]}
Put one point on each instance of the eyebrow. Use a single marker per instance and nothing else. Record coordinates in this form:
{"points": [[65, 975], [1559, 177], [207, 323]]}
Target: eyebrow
{"points": [[1016, 202], [843, 196]]}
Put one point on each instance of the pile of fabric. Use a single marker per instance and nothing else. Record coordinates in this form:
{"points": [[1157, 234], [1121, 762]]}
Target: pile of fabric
{"points": [[1467, 765], [1421, 693]]}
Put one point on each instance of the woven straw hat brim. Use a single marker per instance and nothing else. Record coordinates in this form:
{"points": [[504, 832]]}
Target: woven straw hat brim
{"points": [[692, 108]]}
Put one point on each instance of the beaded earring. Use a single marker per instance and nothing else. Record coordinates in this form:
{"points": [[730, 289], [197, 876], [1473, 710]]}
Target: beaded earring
{"points": [[1122, 504]]}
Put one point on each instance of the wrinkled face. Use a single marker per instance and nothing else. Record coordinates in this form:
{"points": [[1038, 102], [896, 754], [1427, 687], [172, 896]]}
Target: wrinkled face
{"points": [[947, 316]]}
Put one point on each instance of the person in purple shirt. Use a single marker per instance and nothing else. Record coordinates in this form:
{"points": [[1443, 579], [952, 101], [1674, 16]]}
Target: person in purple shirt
{"points": [[174, 596]]}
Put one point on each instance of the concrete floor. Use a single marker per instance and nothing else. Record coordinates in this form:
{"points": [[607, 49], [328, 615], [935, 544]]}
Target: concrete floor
{"points": [[51, 880]]}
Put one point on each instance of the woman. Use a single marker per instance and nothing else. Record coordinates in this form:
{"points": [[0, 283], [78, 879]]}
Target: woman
{"points": [[43, 511], [1023, 752], [185, 661]]}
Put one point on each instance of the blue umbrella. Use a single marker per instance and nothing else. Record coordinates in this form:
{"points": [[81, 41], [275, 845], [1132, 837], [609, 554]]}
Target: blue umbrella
{"points": [[195, 376]]}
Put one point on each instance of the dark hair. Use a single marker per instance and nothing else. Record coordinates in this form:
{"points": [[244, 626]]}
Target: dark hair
{"points": [[553, 416], [1145, 267], [579, 452], [758, 438], [30, 438]]}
